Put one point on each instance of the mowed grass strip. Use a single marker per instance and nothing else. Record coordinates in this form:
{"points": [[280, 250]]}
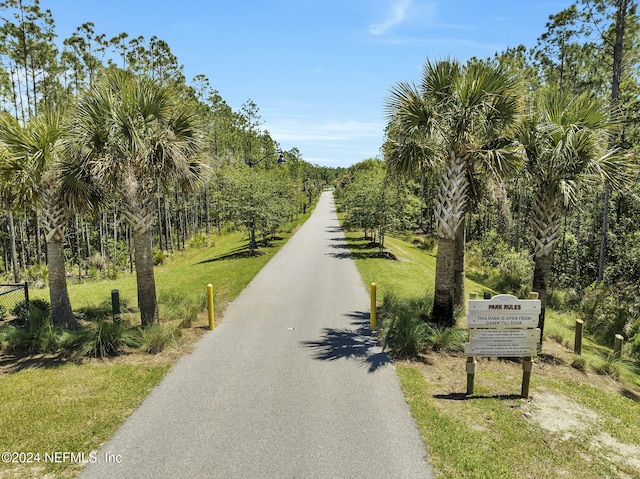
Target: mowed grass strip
{"points": [[410, 275], [69, 408], [490, 435]]}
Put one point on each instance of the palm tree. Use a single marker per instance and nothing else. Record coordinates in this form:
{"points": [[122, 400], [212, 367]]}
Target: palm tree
{"points": [[38, 174], [134, 135], [564, 140], [456, 122]]}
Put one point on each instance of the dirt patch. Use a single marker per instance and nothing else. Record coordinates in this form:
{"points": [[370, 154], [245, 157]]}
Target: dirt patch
{"points": [[557, 413], [618, 451]]}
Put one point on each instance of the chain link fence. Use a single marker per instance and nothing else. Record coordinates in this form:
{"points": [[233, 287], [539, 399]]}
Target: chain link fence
{"points": [[10, 296]]}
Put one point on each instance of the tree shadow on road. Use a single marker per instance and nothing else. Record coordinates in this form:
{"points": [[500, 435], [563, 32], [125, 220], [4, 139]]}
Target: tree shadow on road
{"points": [[355, 344]]}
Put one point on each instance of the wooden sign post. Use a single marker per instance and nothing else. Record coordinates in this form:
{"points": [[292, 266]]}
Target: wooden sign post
{"points": [[503, 326]]}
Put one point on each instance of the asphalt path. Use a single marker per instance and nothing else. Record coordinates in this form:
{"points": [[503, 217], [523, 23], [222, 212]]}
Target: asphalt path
{"points": [[291, 385]]}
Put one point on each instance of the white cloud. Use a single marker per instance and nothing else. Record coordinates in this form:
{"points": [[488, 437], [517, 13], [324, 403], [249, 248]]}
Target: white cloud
{"points": [[331, 142], [315, 130], [396, 16]]}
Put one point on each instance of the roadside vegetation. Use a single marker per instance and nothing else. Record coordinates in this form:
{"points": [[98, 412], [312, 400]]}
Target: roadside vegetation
{"points": [[580, 407]]}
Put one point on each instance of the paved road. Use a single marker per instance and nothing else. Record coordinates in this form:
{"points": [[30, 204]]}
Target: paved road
{"points": [[290, 385]]}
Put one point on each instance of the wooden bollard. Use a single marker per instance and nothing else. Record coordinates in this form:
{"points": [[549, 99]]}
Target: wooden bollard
{"points": [[577, 344], [527, 366], [471, 363], [115, 305], [617, 347], [471, 374]]}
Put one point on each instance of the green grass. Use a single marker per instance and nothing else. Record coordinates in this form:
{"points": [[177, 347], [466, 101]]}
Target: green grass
{"points": [[410, 276], [67, 408], [490, 437]]}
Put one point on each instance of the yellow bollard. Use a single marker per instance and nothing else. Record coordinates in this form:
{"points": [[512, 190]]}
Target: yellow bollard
{"points": [[372, 314], [212, 323]]}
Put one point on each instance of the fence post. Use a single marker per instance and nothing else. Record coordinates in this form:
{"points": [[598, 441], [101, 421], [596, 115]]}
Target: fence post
{"points": [[26, 293], [115, 304], [471, 364], [617, 348], [577, 344]]}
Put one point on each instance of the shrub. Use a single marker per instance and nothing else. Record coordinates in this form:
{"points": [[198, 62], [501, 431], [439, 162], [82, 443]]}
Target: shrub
{"points": [[175, 306], [3, 312], [103, 338], [37, 273], [102, 311], [158, 256], [506, 269], [157, 337], [406, 336], [201, 240], [403, 327], [38, 336], [446, 339], [609, 310], [634, 345], [579, 363], [22, 310]]}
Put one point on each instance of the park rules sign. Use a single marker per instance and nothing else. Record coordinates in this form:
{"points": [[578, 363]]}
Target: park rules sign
{"points": [[503, 326]]}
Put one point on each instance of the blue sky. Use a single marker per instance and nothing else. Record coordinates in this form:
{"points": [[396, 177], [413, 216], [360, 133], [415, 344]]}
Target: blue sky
{"points": [[319, 70]]}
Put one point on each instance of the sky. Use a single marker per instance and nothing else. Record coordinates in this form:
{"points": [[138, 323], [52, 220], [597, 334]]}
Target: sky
{"points": [[318, 70]]}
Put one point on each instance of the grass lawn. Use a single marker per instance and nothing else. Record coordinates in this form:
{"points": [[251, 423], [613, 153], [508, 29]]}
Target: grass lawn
{"points": [[576, 423], [52, 404], [67, 408], [411, 275]]}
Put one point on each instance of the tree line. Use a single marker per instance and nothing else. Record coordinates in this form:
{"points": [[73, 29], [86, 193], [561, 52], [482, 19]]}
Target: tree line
{"points": [[537, 146], [109, 158]]}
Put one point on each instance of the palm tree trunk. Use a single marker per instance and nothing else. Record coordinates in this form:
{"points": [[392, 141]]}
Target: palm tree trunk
{"points": [[542, 266], [140, 215], [545, 224], [38, 238], [54, 220], [147, 301], [61, 312], [449, 211], [459, 292], [443, 298]]}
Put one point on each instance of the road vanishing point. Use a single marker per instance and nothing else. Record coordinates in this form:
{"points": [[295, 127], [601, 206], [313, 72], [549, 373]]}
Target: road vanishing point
{"points": [[291, 385]]}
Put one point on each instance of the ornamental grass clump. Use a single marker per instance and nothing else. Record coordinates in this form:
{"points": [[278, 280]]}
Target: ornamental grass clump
{"points": [[157, 337], [37, 336], [103, 339]]}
